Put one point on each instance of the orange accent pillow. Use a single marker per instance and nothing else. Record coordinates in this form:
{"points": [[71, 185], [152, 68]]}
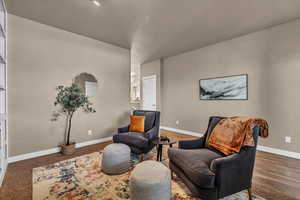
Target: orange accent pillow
{"points": [[137, 124]]}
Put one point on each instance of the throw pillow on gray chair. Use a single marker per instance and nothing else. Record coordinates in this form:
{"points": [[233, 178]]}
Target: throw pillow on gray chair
{"points": [[140, 143]]}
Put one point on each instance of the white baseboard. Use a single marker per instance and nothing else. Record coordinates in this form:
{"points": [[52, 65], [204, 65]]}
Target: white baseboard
{"points": [[259, 147], [279, 152], [182, 131], [3, 174], [91, 142], [32, 155], [54, 150]]}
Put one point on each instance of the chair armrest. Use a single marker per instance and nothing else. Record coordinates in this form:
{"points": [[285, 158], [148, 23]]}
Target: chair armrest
{"points": [[192, 144], [152, 134], [243, 160], [123, 129], [235, 170], [225, 162]]}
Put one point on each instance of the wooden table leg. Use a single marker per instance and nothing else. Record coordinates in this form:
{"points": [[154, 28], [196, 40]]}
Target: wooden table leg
{"points": [[157, 152], [172, 175], [161, 152], [250, 193], [142, 157]]}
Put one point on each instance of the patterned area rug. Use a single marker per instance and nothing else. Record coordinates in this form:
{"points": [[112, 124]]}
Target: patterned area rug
{"points": [[81, 178]]}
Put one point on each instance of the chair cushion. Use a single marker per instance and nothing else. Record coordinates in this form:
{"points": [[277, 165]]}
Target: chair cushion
{"points": [[131, 139], [195, 164], [137, 124], [150, 119]]}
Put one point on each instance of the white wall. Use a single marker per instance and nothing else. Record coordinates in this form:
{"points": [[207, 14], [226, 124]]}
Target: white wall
{"points": [[271, 58], [42, 57]]}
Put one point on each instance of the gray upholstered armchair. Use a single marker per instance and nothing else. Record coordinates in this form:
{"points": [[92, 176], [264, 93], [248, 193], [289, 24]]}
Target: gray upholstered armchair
{"points": [[208, 173], [138, 143]]}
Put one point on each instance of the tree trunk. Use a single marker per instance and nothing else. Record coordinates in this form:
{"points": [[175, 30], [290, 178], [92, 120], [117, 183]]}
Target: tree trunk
{"points": [[69, 128]]}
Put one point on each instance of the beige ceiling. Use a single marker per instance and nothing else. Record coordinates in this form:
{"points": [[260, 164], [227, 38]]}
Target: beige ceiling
{"points": [[158, 28]]}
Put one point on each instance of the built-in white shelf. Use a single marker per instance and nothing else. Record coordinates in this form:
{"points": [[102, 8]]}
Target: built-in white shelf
{"points": [[2, 19], [2, 32], [2, 43], [3, 93], [2, 117], [2, 60]]}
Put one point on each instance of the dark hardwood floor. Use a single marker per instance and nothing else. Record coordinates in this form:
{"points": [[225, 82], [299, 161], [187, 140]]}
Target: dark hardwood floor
{"points": [[275, 177]]}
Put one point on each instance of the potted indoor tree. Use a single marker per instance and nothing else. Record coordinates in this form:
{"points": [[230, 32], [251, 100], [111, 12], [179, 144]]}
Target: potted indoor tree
{"points": [[70, 99]]}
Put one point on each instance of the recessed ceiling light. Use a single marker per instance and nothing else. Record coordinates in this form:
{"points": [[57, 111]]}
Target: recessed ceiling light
{"points": [[97, 3]]}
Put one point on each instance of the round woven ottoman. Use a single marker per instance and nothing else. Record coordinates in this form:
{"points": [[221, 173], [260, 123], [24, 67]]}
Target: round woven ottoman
{"points": [[116, 159], [150, 180]]}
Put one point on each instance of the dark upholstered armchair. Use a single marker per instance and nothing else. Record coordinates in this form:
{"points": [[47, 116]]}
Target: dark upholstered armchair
{"points": [[209, 174], [138, 143]]}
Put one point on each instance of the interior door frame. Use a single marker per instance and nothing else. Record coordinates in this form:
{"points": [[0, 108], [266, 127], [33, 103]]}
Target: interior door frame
{"points": [[145, 78]]}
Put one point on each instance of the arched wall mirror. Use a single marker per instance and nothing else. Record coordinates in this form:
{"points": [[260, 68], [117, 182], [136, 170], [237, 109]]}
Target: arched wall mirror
{"points": [[87, 83]]}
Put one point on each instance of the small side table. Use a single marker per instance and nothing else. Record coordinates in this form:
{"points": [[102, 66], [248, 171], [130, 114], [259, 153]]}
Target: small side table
{"points": [[159, 146]]}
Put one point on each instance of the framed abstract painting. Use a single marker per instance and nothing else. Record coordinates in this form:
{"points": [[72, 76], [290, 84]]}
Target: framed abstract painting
{"points": [[224, 88]]}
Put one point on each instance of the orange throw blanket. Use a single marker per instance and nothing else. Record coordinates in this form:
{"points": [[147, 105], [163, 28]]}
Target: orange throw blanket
{"points": [[231, 134]]}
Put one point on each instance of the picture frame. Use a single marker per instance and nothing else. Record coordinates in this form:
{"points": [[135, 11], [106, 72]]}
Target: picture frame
{"points": [[233, 87]]}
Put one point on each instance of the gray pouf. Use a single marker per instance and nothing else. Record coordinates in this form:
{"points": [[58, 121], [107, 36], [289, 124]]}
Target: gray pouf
{"points": [[150, 180], [116, 159]]}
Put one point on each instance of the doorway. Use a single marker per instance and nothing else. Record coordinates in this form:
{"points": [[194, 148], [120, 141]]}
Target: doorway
{"points": [[149, 92]]}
